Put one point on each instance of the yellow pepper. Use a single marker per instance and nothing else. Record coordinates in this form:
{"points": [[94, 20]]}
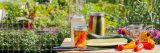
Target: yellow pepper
{"points": [[130, 45]]}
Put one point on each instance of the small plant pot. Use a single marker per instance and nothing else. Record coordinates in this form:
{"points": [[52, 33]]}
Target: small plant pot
{"points": [[28, 25]]}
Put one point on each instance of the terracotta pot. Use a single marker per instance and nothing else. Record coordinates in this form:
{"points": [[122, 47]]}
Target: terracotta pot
{"points": [[28, 25]]}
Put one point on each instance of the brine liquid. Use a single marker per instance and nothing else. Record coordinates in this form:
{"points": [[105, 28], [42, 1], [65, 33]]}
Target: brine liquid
{"points": [[80, 38]]}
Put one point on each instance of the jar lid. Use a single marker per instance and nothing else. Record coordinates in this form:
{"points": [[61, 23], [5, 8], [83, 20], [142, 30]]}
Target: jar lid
{"points": [[97, 13], [77, 16], [80, 28]]}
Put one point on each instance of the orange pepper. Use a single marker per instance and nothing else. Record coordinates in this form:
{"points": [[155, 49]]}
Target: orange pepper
{"points": [[129, 45]]}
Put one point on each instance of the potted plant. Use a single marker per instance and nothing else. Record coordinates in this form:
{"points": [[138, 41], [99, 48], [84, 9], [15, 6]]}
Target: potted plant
{"points": [[31, 15]]}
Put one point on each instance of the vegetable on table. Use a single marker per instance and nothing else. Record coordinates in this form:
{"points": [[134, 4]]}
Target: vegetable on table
{"points": [[129, 45], [146, 37], [139, 47], [148, 45]]}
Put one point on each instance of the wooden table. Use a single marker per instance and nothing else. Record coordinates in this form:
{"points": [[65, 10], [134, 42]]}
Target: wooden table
{"points": [[67, 42]]}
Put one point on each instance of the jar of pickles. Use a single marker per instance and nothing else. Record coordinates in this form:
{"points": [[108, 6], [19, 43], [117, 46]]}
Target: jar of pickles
{"points": [[97, 23], [80, 36]]}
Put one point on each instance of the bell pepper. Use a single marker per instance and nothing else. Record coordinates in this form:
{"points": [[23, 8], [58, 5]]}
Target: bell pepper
{"points": [[129, 45], [150, 40], [148, 45], [145, 36], [138, 47]]}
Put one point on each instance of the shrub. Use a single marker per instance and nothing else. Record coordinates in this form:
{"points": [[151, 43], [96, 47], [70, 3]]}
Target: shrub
{"points": [[28, 40], [17, 40], [46, 41]]}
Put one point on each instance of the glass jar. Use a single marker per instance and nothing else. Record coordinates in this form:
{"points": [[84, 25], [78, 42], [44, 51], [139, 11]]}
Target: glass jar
{"points": [[80, 36]]}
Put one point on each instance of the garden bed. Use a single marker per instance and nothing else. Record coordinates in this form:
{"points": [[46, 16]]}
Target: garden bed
{"points": [[28, 41]]}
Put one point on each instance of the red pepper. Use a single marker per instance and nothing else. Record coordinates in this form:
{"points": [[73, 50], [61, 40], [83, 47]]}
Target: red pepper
{"points": [[81, 39], [138, 47], [148, 45]]}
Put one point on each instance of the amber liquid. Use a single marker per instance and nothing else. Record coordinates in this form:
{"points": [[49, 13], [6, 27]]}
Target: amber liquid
{"points": [[80, 38]]}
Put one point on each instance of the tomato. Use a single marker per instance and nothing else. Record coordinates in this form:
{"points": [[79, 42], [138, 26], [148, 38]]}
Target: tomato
{"points": [[138, 47], [120, 47]]}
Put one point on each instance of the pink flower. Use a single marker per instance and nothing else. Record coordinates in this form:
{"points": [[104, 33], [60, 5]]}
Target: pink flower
{"points": [[155, 33], [123, 31]]}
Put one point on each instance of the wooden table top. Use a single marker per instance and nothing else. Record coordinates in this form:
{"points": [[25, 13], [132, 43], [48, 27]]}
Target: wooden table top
{"points": [[67, 42]]}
